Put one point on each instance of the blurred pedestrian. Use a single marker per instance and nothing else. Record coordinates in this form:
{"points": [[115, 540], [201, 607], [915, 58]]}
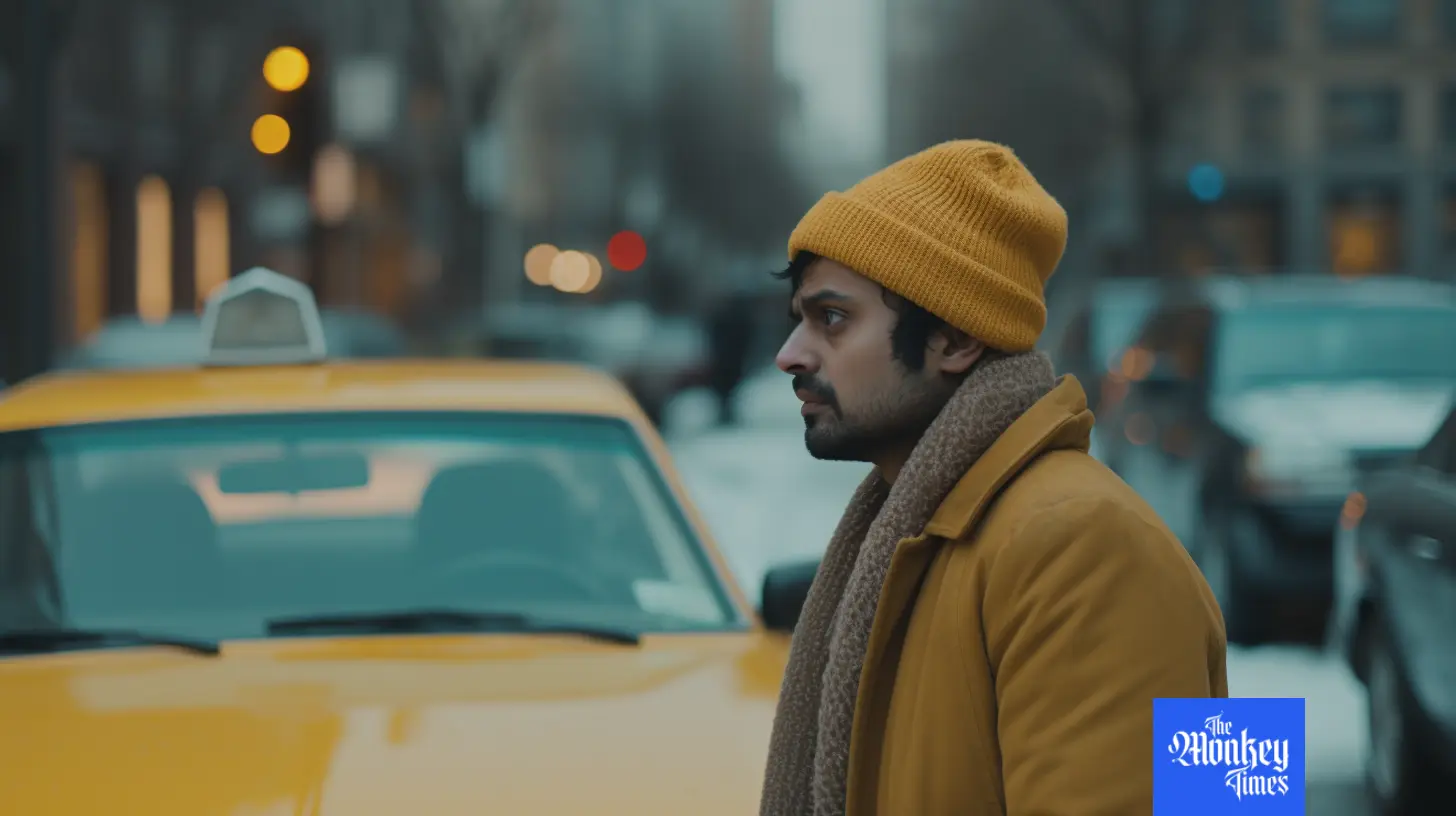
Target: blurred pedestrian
{"points": [[996, 611], [730, 333]]}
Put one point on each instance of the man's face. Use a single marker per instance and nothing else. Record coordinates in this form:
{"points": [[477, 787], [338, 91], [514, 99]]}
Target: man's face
{"points": [[861, 404]]}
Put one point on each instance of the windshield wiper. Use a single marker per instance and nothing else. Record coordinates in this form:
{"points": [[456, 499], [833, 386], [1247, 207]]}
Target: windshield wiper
{"points": [[433, 621], [21, 641]]}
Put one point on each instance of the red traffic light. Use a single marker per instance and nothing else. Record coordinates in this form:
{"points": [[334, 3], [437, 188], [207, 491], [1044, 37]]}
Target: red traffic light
{"points": [[626, 251]]}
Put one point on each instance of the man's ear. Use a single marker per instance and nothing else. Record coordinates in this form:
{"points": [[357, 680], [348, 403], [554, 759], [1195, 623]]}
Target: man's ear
{"points": [[955, 351]]}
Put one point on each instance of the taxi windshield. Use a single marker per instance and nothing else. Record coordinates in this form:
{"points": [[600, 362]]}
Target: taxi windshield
{"points": [[212, 527]]}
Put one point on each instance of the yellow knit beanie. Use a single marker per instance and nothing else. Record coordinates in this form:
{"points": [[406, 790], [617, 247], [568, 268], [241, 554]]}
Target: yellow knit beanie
{"points": [[962, 229]]}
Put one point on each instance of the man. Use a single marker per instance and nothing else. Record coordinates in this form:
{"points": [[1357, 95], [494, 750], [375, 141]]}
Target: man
{"points": [[730, 334], [996, 611]]}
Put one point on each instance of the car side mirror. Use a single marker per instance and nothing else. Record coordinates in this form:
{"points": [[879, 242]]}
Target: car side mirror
{"points": [[785, 588]]}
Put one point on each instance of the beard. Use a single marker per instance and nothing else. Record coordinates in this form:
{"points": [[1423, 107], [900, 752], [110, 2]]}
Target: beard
{"points": [[892, 420]]}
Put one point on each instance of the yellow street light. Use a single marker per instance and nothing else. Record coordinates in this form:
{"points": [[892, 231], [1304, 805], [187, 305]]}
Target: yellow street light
{"points": [[570, 271], [285, 68], [538, 263], [594, 279], [271, 133]]}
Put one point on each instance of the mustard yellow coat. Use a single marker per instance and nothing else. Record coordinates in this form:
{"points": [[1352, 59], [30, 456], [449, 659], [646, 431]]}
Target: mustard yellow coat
{"points": [[1021, 639]]}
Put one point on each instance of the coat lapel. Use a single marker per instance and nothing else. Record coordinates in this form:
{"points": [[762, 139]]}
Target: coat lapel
{"points": [[1059, 421], [908, 566]]}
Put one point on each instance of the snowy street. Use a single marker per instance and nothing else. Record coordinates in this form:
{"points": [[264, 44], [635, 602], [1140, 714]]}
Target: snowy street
{"points": [[768, 501]]}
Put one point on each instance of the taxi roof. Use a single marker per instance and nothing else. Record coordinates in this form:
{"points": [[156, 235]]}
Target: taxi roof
{"points": [[72, 398]]}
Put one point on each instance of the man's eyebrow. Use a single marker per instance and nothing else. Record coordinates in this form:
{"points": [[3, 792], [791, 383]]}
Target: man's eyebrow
{"points": [[819, 298], [825, 296]]}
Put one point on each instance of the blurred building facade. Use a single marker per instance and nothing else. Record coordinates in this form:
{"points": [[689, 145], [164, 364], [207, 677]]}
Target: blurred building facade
{"points": [[29, 309], [655, 116], [1186, 136], [429, 145], [165, 186], [1318, 135]]}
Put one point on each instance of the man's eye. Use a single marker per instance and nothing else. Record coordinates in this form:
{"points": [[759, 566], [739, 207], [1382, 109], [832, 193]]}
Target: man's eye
{"points": [[832, 316]]}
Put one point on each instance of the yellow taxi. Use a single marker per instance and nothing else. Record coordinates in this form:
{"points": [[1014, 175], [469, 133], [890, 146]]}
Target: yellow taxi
{"points": [[281, 584]]}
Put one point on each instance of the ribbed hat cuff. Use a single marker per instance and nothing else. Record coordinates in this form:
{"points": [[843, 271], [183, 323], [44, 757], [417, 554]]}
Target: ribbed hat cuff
{"points": [[954, 287]]}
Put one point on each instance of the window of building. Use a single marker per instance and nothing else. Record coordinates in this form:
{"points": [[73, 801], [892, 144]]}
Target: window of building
{"points": [[1263, 119], [1363, 117], [1243, 232], [88, 249], [1362, 22], [1448, 115], [1364, 228], [1189, 124], [1263, 24]]}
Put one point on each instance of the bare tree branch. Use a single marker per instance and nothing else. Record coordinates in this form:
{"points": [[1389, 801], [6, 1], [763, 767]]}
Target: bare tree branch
{"points": [[1151, 61], [1169, 76], [1084, 22], [481, 41]]}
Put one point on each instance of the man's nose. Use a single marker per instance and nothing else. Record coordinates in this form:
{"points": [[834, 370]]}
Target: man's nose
{"points": [[795, 357]]}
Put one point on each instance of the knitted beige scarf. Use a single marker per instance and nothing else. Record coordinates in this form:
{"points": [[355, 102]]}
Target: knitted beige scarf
{"points": [[808, 761]]}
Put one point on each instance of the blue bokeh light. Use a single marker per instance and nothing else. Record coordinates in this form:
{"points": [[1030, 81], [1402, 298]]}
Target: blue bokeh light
{"points": [[1206, 183]]}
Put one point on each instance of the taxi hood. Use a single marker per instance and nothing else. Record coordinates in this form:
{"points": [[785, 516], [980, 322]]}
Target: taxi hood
{"points": [[427, 724]]}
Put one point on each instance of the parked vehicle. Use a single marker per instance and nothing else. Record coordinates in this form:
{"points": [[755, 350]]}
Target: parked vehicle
{"points": [[655, 356], [1093, 347], [1397, 567], [1252, 402], [131, 343]]}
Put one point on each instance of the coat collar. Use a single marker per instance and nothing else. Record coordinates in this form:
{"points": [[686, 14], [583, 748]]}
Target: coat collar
{"points": [[1058, 421]]}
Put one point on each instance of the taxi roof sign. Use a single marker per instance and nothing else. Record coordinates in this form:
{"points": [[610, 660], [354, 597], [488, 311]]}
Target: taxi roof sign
{"points": [[262, 318]]}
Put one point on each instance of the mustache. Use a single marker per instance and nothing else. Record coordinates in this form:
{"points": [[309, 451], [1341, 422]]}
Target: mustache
{"points": [[822, 390]]}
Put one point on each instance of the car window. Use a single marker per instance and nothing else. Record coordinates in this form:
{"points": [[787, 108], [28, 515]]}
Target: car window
{"points": [[1275, 346], [29, 596], [214, 526]]}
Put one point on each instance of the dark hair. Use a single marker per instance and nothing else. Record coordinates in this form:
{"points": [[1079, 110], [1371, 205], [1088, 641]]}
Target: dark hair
{"points": [[912, 332]]}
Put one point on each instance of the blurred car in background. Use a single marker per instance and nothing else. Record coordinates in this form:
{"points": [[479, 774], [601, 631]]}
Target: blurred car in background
{"points": [[1396, 570], [1252, 401], [527, 331], [1095, 341], [1133, 371], [440, 586], [1102, 330], [129, 342], [656, 356], [357, 334]]}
